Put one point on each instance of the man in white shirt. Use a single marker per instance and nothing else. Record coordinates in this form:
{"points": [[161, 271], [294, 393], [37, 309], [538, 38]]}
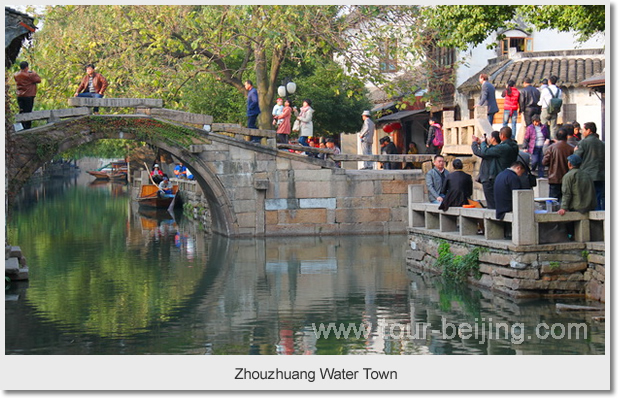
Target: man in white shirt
{"points": [[551, 91]]}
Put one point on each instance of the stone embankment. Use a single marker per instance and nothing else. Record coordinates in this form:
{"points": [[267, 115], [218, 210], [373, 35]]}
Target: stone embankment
{"points": [[15, 264], [567, 269]]}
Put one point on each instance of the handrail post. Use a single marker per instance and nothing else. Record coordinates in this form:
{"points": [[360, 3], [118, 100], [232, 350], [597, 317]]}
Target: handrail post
{"points": [[525, 228], [416, 194]]}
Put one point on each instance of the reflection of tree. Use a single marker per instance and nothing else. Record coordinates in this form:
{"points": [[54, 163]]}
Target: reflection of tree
{"points": [[91, 281], [450, 292]]}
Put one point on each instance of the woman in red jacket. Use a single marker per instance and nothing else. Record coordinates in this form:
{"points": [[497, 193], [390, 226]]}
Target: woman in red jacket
{"points": [[511, 104]]}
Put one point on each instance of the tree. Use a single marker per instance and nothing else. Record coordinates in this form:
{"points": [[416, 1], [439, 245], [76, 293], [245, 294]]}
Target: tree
{"points": [[168, 51], [464, 26]]}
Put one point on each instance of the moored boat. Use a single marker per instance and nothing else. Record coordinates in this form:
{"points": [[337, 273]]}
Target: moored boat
{"points": [[111, 171]]}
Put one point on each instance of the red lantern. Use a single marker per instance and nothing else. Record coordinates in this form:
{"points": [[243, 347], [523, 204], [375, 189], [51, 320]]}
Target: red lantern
{"points": [[387, 128], [396, 126]]}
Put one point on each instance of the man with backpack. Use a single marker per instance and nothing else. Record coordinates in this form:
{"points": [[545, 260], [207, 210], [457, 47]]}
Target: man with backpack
{"points": [[435, 137], [551, 103]]}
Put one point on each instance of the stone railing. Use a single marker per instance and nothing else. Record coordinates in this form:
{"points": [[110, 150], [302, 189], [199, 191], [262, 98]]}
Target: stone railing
{"points": [[526, 226], [458, 133], [524, 255], [142, 106], [350, 157]]}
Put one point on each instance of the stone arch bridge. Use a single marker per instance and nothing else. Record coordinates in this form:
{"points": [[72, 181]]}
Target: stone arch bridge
{"points": [[251, 189]]}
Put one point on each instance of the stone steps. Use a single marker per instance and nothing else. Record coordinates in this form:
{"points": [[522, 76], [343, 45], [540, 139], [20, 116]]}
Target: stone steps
{"points": [[15, 264]]}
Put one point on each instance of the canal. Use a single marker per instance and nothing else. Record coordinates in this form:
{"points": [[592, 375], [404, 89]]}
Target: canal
{"points": [[107, 278]]}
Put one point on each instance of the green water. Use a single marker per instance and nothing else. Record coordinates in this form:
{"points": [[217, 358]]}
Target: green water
{"points": [[107, 279]]}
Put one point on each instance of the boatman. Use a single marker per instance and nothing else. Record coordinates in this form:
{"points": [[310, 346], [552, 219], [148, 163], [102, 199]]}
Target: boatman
{"points": [[165, 186]]}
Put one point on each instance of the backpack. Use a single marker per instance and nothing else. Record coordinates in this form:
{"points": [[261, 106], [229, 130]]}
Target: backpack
{"points": [[438, 137], [555, 103]]}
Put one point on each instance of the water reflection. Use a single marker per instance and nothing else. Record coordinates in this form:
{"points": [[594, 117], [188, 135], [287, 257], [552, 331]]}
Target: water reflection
{"points": [[109, 278]]}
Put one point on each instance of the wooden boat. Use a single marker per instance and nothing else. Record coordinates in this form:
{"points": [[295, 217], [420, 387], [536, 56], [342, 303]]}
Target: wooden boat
{"points": [[112, 171], [152, 197]]}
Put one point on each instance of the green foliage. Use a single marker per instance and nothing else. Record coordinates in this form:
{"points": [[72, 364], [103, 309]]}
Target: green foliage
{"points": [[196, 57], [144, 129], [46, 146], [106, 149], [554, 265], [333, 94], [585, 254], [458, 268], [464, 26]]}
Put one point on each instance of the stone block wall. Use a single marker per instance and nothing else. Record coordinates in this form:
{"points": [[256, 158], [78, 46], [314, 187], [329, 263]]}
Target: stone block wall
{"points": [[336, 201], [595, 274], [571, 269]]}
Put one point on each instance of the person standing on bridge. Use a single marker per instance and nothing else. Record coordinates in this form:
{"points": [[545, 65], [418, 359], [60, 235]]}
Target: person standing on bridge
{"points": [[26, 81], [283, 123], [366, 137], [253, 109], [306, 122], [93, 85]]}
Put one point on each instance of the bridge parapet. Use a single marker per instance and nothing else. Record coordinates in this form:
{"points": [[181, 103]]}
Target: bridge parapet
{"points": [[458, 133], [52, 116], [116, 102]]}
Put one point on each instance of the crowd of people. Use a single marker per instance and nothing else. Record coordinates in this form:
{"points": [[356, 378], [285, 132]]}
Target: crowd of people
{"points": [[576, 169], [573, 155], [504, 169]]}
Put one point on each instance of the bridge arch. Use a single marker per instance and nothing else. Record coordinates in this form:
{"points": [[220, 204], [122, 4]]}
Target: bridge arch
{"points": [[32, 148]]}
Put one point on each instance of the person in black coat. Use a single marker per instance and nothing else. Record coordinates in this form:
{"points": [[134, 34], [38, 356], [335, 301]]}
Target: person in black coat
{"points": [[457, 188], [486, 174], [388, 148], [507, 182]]}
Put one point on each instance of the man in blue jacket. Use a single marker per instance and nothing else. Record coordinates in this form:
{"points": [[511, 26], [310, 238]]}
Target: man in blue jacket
{"points": [[253, 108], [507, 182]]}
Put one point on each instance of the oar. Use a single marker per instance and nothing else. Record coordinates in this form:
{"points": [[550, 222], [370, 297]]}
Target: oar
{"points": [[151, 179]]}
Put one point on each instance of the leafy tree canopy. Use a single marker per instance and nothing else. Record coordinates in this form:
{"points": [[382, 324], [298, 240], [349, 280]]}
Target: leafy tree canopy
{"points": [[464, 26], [169, 51]]}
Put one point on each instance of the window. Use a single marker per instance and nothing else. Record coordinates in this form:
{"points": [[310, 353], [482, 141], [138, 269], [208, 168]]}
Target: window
{"points": [[445, 57], [521, 44], [388, 61]]}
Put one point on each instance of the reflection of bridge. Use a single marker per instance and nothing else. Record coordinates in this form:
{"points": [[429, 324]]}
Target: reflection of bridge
{"points": [[252, 189]]}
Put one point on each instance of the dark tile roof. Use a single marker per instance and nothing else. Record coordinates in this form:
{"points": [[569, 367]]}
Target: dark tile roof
{"points": [[472, 84], [571, 70]]}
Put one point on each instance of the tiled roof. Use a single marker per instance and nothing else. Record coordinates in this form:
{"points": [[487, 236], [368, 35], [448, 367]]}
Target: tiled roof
{"points": [[472, 84], [571, 70]]}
